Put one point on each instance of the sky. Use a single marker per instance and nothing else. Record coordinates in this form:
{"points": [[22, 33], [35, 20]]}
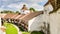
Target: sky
{"points": [[16, 5]]}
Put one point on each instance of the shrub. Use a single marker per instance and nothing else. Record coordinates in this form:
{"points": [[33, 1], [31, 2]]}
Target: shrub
{"points": [[37, 32]]}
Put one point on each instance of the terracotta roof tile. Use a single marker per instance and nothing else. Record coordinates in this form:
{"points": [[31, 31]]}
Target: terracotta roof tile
{"points": [[9, 15], [25, 17], [19, 16], [14, 16], [2, 15], [30, 16]]}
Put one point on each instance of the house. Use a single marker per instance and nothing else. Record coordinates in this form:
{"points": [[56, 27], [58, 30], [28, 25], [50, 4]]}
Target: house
{"points": [[54, 17], [22, 20], [24, 10], [55, 21], [28, 20]]}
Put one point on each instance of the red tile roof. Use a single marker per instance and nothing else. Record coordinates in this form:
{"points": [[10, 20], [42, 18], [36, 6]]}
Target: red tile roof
{"points": [[2, 15], [9, 15], [30, 16], [25, 17], [14, 16], [19, 16]]}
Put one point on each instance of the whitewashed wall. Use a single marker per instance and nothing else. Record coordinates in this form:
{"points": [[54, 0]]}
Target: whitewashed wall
{"points": [[35, 23], [55, 22], [53, 19]]}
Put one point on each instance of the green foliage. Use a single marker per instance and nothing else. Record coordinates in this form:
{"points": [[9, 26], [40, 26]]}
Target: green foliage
{"points": [[25, 32], [21, 29], [6, 11], [17, 12], [1, 12], [37, 32], [32, 9]]}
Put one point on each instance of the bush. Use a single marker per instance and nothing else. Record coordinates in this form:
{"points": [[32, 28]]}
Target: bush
{"points": [[37, 32]]}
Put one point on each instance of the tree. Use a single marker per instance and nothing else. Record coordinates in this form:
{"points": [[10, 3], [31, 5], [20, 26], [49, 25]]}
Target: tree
{"points": [[1, 12], [6, 11], [32, 9], [18, 12], [37, 32]]}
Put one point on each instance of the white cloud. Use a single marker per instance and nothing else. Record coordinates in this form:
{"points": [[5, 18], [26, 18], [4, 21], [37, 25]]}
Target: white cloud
{"points": [[1, 9], [13, 6], [19, 6], [11, 0], [26, 1], [33, 1], [4, 0], [37, 6], [2, 6], [36, 0]]}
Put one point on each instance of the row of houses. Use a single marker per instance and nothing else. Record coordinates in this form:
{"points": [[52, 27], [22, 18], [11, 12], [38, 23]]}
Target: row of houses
{"points": [[32, 21], [23, 20], [47, 20], [20, 19], [53, 17]]}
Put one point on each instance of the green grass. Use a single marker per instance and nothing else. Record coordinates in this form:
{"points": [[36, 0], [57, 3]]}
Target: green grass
{"points": [[10, 29]]}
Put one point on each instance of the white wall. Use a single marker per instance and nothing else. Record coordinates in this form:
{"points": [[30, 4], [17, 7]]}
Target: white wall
{"points": [[55, 22], [53, 19], [35, 23]]}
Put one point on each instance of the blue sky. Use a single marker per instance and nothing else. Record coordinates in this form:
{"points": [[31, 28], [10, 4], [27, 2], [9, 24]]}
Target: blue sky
{"points": [[17, 4]]}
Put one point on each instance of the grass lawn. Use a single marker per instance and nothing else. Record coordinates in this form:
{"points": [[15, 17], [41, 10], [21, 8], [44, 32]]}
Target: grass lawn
{"points": [[10, 29]]}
